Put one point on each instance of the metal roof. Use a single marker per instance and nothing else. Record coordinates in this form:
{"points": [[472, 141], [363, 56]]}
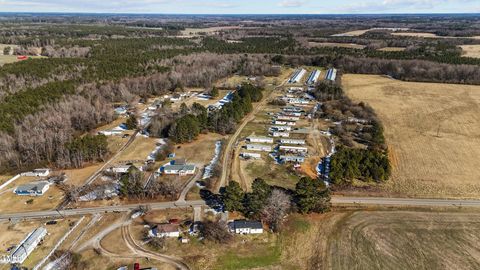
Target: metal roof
{"points": [[34, 186], [243, 224]]}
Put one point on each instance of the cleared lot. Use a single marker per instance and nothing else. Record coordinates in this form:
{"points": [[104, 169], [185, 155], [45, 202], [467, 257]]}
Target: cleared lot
{"points": [[433, 133]]}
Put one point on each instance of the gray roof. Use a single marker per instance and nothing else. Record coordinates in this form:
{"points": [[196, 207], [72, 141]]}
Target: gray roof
{"points": [[34, 186], [23, 250], [243, 224], [186, 167]]}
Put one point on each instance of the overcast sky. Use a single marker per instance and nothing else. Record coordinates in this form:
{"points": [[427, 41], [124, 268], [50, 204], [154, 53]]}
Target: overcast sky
{"points": [[243, 6]]}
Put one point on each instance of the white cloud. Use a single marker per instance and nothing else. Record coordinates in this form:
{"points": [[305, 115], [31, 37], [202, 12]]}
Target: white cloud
{"points": [[292, 3]]}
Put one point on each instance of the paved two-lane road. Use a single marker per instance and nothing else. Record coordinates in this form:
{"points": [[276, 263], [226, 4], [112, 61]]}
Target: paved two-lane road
{"points": [[97, 210], [404, 202], [336, 201]]}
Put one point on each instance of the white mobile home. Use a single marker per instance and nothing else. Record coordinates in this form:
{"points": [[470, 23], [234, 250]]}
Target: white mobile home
{"points": [[250, 155], [293, 149], [254, 139], [280, 122], [186, 169], [292, 109], [120, 169], [288, 118], [279, 134], [281, 128], [259, 147], [290, 158], [165, 230], [246, 227], [37, 173], [292, 141]]}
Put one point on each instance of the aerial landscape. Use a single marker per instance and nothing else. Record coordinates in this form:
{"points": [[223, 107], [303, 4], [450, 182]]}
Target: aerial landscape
{"points": [[238, 135]]}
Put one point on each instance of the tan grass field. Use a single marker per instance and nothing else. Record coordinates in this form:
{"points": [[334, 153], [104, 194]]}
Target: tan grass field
{"points": [[433, 134], [341, 45], [415, 34], [392, 49], [385, 240], [471, 50], [12, 234], [356, 32], [11, 203], [192, 32]]}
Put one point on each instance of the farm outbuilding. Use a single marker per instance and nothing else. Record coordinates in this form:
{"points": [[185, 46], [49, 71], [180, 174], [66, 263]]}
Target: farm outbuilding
{"points": [[297, 76], [23, 250], [312, 79], [281, 128]]}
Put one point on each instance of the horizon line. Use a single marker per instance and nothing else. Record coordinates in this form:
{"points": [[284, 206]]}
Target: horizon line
{"points": [[234, 14]]}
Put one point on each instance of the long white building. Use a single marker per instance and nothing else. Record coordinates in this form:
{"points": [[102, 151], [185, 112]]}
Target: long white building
{"points": [[281, 128], [259, 147], [254, 139], [280, 134], [292, 141], [297, 76], [293, 149], [278, 122], [288, 118], [291, 158], [331, 74], [312, 79], [23, 250]]}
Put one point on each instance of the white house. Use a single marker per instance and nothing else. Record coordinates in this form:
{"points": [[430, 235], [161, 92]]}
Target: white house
{"points": [[254, 139], [259, 147], [293, 149], [37, 173], [277, 134], [165, 230], [292, 141], [186, 169], [32, 189], [246, 227], [250, 155], [21, 252]]}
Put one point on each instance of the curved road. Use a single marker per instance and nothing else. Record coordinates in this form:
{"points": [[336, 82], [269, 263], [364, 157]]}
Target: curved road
{"points": [[127, 236]]}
